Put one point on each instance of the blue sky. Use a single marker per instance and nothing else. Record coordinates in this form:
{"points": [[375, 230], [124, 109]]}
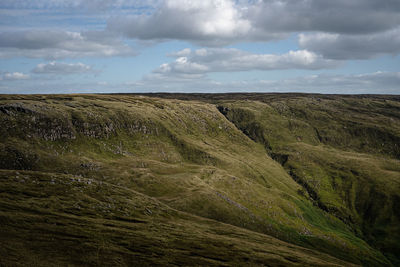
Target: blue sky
{"points": [[81, 46]]}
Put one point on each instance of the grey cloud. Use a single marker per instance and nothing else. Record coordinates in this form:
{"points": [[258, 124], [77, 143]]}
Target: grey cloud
{"points": [[366, 28], [339, 46], [339, 16], [361, 28], [226, 60], [53, 44], [214, 23], [207, 22], [62, 68]]}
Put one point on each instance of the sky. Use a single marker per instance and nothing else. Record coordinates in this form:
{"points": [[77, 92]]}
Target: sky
{"points": [[127, 46]]}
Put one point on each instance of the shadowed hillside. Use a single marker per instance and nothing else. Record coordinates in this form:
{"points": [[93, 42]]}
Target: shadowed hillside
{"points": [[344, 153], [274, 179]]}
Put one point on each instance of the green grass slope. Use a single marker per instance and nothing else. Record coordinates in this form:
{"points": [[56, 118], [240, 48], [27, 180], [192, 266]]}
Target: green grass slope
{"points": [[344, 151], [119, 176], [52, 219]]}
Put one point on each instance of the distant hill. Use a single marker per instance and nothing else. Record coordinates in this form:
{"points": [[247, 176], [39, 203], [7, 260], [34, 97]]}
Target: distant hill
{"points": [[200, 179]]}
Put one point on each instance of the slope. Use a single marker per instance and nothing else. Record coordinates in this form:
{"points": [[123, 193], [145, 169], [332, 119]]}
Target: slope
{"points": [[343, 151], [51, 219], [186, 155]]}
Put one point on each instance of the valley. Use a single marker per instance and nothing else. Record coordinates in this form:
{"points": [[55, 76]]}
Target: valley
{"points": [[200, 179]]}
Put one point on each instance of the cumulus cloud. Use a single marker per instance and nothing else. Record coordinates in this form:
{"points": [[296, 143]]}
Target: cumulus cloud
{"points": [[62, 68], [339, 16], [52, 44], [357, 26], [13, 76], [204, 60], [329, 32], [342, 29], [219, 22], [207, 22], [339, 46]]}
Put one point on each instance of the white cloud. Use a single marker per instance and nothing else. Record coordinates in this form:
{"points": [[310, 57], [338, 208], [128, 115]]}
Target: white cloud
{"points": [[221, 22], [12, 76], [365, 28], [182, 53], [62, 68], [207, 22], [228, 59], [367, 83], [51, 44], [329, 32]]}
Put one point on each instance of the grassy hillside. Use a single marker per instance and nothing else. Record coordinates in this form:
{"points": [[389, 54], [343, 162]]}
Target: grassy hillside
{"points": [[344, 151], [134, 179], [51, 219]]}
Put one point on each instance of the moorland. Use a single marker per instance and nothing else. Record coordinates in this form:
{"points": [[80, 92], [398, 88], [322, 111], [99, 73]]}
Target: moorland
{"points": [[200, 179]]}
